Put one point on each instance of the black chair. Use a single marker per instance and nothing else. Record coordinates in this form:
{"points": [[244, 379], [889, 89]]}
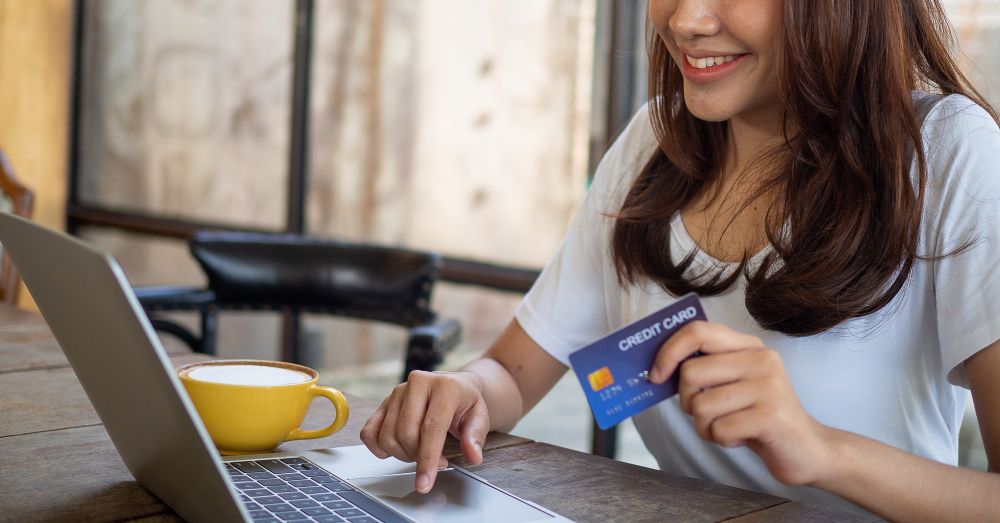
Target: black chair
{"points": [[297, 274]]}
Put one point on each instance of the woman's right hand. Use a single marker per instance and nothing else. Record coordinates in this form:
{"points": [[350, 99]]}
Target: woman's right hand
{"points": [[413, 422]]}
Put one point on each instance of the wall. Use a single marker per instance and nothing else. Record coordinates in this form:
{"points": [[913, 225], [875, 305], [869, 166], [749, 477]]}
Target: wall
{"points": [[35, 45], [452, 126]]}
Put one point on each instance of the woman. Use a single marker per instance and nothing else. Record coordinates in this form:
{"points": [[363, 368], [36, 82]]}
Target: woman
{"points": [[842, 228]]}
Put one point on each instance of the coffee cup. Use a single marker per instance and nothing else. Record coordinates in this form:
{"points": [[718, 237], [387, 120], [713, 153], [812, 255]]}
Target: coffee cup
{"points": [[252, 406]]}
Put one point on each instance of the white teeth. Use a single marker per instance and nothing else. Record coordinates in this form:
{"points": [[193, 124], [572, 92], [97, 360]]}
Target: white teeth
{"points": [[702, 63]]}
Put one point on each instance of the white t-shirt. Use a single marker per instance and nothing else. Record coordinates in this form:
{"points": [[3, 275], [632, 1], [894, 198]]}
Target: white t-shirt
{"points": [[895, 376]]}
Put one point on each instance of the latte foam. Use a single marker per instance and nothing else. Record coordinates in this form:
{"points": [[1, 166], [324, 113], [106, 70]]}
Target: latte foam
{"points": [[258, 375]]}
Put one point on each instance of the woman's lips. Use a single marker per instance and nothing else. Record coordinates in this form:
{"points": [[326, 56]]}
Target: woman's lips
{"points": [[712, 73]]}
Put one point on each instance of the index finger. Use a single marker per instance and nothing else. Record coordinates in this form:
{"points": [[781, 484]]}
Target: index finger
{"points": [[433, 431], [697, 336]]}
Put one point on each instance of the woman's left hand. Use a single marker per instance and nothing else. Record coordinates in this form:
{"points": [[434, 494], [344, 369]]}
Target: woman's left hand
{"points": [[739, 394]]}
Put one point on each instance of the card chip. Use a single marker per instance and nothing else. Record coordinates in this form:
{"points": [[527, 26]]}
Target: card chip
{"points": [[600, 378]]}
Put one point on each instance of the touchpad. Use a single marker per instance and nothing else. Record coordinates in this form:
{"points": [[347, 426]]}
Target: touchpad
{"points": [[455, 497]]}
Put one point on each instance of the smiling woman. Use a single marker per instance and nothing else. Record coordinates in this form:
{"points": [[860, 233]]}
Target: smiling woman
{"points": [[831, 192], [766, 149]]}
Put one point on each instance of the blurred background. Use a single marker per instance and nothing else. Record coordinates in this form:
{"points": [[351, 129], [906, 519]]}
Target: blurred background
{"points": [[469, 129]]}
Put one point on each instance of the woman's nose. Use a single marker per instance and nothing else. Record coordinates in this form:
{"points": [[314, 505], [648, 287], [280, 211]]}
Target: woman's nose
{"points": [[693, 18]]}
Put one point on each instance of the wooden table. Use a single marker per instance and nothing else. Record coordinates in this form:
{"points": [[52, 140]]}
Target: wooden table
{"points": [[58, 464]]}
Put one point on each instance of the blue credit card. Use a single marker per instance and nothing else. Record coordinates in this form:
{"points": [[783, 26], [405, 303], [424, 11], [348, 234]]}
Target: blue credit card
{"points": [[613, 370]]}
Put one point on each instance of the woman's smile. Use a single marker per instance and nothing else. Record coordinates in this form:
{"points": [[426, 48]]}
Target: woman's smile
{"points": [[711, 68], [727, 53]]}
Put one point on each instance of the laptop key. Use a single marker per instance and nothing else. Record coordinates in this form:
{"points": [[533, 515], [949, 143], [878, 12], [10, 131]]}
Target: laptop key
{"points": [[376, 509], [244, 485], [270, 500], [316, 511], [350, 512], [256, 493], [261, 475], [325, 479], [302, 483], [292, 516], [279, 507], [252, 506], [274, 466], [325, 496], [279, 489], [259, 514], [313, 490], [244, 497], [314, 473], [338, 487], [329, 519], [248, 466], [293, 495], [364, 519], [294, 461], [270, 482], [291, 476], [337, 504], [304, 503]]}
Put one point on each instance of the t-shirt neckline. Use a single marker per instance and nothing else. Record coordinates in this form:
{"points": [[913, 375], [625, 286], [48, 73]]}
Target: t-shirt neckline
{"points": [[702, 259]]}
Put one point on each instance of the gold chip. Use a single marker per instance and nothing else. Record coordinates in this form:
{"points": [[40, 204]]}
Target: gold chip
{"points": [[600, 378]]}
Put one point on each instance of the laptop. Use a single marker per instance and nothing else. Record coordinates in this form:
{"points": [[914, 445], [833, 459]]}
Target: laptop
{"points": [[88, 303]]}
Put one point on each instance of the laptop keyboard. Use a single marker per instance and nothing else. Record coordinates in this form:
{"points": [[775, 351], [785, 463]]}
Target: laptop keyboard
{"points": [[295, 489]]}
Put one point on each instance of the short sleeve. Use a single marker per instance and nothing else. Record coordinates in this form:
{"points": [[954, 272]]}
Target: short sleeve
{"points": [[567, 306], [962, 224]]}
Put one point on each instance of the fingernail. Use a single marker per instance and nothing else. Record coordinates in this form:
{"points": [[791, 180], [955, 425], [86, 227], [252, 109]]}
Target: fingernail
{"points": [[479, 448], [423, 483]]}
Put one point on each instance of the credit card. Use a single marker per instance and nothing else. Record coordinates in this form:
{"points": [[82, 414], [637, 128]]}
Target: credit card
{"points": [[614, 370]]}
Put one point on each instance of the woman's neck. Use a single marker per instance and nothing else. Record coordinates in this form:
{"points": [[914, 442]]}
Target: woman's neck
{"points": [[750, 134]]}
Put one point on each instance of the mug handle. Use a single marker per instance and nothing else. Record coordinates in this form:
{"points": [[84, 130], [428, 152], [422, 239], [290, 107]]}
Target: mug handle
{"points": [[339, 402]]}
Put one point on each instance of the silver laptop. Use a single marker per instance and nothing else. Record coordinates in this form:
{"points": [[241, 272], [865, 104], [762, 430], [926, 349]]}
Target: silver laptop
{"points": [[97, 320]]}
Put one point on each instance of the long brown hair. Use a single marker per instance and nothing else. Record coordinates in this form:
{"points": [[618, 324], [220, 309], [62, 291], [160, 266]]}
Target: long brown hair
{"points": [[845, 226]]}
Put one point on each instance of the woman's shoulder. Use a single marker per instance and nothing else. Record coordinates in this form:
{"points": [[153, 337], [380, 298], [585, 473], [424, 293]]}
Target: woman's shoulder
{"points": [[961, 142], [960, 138], [951, 116]]}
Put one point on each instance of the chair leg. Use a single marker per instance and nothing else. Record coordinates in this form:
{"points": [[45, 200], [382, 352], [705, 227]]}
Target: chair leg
{"points": [[292, 337], [420, 356], [208, 326], [604, 442]]}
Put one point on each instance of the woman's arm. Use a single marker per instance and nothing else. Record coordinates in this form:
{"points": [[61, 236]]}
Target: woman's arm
{"points": [[491, 393], [739, 394], [903, 487]]}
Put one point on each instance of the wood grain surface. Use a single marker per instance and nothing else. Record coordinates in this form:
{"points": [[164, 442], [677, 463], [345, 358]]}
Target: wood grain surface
{"points": [[51, 399], [798, 511], [584, 487]]}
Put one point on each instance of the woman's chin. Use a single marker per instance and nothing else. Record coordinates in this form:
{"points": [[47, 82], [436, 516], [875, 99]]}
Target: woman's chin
{"points": [[709, 114]]}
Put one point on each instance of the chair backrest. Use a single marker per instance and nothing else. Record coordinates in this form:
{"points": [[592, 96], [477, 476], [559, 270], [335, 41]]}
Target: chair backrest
{"points": [[16, 199], [275, 271]]}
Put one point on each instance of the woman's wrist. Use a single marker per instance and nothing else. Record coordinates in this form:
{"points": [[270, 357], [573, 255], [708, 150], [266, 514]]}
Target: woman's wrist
{"points": [[838, 466]]}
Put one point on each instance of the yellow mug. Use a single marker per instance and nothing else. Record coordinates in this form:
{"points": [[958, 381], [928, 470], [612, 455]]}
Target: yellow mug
{"points": [[252, 406]]}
